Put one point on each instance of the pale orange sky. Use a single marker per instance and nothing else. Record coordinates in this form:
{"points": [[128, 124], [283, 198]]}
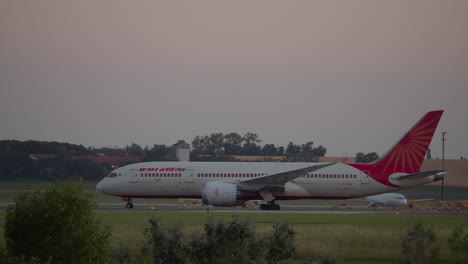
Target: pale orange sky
{"points": [[349, 75]]}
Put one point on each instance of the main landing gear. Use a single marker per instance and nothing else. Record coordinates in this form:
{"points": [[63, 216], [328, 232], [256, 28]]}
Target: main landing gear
{"points": [[269, 203], [270, 206], [129, 204]]}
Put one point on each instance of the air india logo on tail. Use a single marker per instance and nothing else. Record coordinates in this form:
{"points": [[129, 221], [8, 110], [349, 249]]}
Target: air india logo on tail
{"points": [[409, 152], [407, 155]]}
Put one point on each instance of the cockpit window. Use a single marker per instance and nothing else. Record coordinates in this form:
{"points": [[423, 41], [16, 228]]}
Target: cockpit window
{"points": [[113, 175]]}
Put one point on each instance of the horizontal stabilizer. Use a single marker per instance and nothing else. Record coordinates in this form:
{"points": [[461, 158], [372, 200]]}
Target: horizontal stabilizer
{"points": [[438, 173]]}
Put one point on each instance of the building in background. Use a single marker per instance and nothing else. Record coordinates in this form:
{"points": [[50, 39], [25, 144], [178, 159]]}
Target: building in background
{"points": [[182, 150]]}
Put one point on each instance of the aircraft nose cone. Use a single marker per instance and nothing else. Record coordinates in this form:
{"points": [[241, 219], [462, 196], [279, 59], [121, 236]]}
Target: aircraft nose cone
{"points": [[100, 187]]}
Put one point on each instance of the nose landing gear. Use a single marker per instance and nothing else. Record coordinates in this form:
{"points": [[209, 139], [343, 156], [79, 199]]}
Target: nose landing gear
{"points": [[128, 199]]}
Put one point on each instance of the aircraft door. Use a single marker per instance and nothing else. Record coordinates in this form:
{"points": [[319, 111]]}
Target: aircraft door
{"points": [[365, 177], [133, 175], [189, 176]]}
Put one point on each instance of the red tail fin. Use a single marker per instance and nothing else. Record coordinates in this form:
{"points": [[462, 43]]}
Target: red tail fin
{"points": [[409, 151]]}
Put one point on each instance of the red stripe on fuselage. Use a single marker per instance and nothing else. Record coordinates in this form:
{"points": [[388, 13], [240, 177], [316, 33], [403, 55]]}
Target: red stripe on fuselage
{"points": [[380, 173], [246, 198]]}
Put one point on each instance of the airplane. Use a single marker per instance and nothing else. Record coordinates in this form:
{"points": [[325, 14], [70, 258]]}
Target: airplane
{"points": [[387, 200], [231, 183], [391, 200]]}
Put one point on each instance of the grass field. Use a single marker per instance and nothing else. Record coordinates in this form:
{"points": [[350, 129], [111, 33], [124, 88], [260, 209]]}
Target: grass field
{"points": [[353, 238]]}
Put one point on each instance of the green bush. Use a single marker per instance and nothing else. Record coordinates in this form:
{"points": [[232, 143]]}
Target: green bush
{"points": [[232, 242], [57, 225], [458, 245], [420, 245], [7, 258], [166, 246], [329, 259], [221, 243], [281, 243]]}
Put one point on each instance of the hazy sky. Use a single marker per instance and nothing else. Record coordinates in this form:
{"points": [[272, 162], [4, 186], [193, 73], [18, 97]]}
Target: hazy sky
{"points": [[352, 76]]}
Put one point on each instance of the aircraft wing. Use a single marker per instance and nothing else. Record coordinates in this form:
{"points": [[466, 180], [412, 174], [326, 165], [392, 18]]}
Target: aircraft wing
{"points": [[438, 173], [283, 177], [423, 200]]}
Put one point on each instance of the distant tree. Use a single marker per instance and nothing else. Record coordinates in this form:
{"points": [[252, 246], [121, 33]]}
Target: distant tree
{"points": [[12, 163], [134, 150], [366, 158], [360, 157], [251, 138], [158, 153], [87, 169], [58, 225], [197, 157], [320, 151], [121, 164], [201, 145], [216, 142], [269, 150], [43, 147], [251, 145], [304, 153], [110, 151], [61, 168], [428, 154], [233, 144], [292, 149], [307, 147], [281, 151], [251, 149]]}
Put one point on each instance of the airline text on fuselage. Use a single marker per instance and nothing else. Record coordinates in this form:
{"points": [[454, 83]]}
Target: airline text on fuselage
{"points": [[161, 169]]}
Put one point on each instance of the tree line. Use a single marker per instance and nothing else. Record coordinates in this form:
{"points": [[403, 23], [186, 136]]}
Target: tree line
{"points": [[249, 144], [16, 160]]}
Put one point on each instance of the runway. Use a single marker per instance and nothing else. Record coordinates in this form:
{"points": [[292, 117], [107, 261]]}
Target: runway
{"points": [[285, 209]]}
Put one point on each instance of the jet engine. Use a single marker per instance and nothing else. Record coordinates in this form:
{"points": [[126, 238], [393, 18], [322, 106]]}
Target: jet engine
{"points": [[220, 193]]}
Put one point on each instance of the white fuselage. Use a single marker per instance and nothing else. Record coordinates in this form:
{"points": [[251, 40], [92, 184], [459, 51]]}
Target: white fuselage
{"points": [[185, 180], [228, 183], [387, 200]]}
